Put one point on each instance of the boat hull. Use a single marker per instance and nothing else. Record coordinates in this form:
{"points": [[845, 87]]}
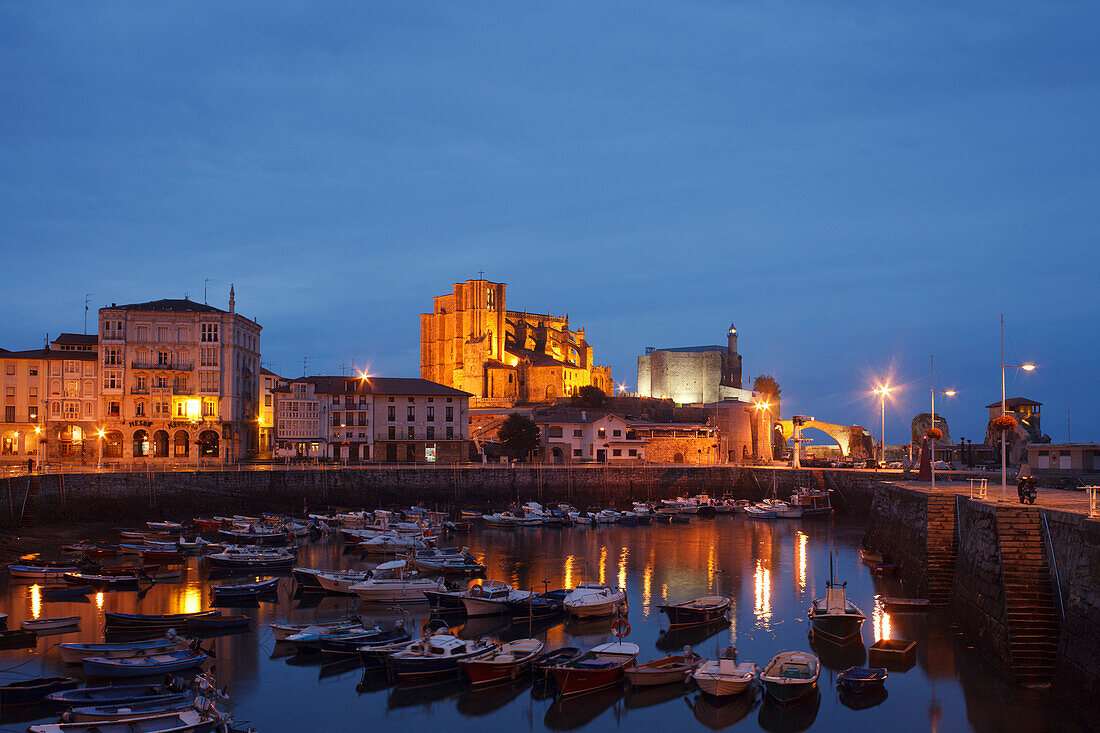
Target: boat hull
{"points": [[99, 667], [837, 628]]}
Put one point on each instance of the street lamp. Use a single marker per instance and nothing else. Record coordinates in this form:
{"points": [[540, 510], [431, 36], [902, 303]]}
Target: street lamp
{"points": [[38, 448], [100, 433], [882, 392], [762, 409], [932, 438], [1027, 367]]}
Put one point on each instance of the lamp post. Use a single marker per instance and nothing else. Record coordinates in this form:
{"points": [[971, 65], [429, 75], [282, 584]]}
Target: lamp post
{"points": [[932, 438], [882, 392], [1028, 367], [38, 448], [762, 409], [99, 440]]}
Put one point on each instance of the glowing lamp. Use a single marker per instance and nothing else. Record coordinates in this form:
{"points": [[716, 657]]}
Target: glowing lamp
{"points": [[1028, 367], [950, 393], [194, 409]]}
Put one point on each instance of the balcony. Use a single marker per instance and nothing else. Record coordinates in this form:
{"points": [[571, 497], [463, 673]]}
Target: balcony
{"points": [[153, 366], [139, 390]]}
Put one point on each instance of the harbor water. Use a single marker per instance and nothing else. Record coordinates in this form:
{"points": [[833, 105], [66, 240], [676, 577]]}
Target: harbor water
{"points": [[771, 569]]}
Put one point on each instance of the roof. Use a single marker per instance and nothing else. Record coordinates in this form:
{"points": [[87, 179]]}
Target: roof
{"points": [[575, 416], [267, 372], [77, 338], [1016, 402], [52, 354], [381, 385], [697, 349], [168, 304]]}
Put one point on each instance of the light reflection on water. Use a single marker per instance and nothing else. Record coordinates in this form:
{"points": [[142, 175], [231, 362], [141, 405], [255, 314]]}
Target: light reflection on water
{"points": [[767, 568]]}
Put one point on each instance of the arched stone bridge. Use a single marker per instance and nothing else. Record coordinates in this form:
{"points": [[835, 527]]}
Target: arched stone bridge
{"points": [[848, 437]]}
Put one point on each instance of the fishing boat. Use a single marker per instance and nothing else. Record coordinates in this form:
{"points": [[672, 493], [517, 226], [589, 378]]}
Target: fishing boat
{"points": [[450, 561], [250, 558], [835, 618], [116, 695], [600, 667], [74, 653], [811, 502], [436, 654], [283, 632], [862, 679], [663, 671], [491, 598], [218, 623], [339, 582], [110, 713], [154, 664], [306, 578], [351, 643], [188, 721], [245, 590], [505, 664], [391, 582], [725, 677], [146, 621], [590, 600], [790, 676], [696, 612], [49, 624], [43, 571], [535, 607], [32, 691]]}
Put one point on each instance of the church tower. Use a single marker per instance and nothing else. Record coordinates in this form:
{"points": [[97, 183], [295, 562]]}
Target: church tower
{"points": [[732, 348]]}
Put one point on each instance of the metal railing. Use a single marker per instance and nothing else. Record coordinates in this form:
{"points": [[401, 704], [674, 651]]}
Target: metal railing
{"points": [[1053, 566]]}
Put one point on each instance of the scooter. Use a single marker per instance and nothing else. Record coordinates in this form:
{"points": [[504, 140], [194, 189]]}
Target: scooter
{"points": [[1027, 490]]}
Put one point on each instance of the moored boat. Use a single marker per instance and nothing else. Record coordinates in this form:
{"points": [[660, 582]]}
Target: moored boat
{"points": [[188, 721], [154, 664], [790, 676], [437, 654], [600, 667], [391, 582], [216, 623], [696, 612], [248, 558], [591, 600], [49, 624], [114, 695], [165, 621], [339, 582], [282, 631], [862, 679], [663, 671], [246, 590], [724, 677], [835, 618], [109, 713], [74, 653], [492, 598], [504, 664], [32, 691]]}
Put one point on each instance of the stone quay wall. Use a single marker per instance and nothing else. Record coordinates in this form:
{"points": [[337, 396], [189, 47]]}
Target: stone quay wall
{"points": [[977, 599]]}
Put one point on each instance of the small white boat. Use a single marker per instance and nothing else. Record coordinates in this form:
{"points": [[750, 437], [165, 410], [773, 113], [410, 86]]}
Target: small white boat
{"points": [[607, 516], [283, 632], [49, 624], [790, 676], [723, 677], [491, 598], [391, 544], [392, 581], [74, 653], [590, 600], [341, 581]]}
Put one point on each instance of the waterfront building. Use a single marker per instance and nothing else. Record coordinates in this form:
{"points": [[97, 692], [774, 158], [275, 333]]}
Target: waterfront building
{"points": [[1064, 460], [472, 342], [588, 436], [1028, 414], [50, 409], [379, 419], [179, 377], [270, 381], [693, 374]]}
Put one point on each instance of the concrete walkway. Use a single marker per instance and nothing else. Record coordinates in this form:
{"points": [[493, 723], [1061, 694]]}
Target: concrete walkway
{"points": [[1064, 500]]}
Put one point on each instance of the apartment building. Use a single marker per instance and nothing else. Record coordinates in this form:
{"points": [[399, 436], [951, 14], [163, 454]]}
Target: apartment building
{"points": [[179, 377]]}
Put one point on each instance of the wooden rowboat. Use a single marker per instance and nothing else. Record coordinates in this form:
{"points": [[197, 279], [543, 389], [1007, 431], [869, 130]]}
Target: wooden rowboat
{"points": [[49, 624], [663, 671], [906, 605]]}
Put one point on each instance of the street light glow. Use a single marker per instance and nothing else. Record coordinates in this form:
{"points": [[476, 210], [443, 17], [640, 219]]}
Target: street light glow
{"points": [[950, 393], [1028, 367]]}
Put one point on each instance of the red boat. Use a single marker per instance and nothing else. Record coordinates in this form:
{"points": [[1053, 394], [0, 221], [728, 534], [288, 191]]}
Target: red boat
{"points": [[509, 662], [596, 669]]}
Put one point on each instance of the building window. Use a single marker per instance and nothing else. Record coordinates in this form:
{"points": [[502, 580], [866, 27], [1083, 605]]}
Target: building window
{"points": [[577, 453], [267, 400], [139, 409], [633, 452], [390, 399], [142, 333], [391, 413], [114, 409], [410, 399], [112, 379], [616, 433], [617, 452], [9, 413], [555, 431], [450, 413], [429, 432], [208, 356], [9, 369], [392, 433], [411, 434], [162, 358], [431, 414], [411, 414], [162, 334], [32, 413], [182, 334], [33, 371], [208, 408], [577, 433], [208, 381], [111, 357], [362, 419], [602, 433], [450, 433], [209, 333]]}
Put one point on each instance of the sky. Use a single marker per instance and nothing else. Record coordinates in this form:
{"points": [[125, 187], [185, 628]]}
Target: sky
{"points": [[856, 186]]}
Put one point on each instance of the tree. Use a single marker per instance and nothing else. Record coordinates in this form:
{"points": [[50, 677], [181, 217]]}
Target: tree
{"points": [[766, 385], [590, 396], [519, 434]]}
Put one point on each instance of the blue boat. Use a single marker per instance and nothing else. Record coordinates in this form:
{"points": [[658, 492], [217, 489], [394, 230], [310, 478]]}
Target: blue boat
{"points": [[246, 590], [862, 679], [351, 644], [31, 692], [177, 704], [115, 695], [155, 664]]}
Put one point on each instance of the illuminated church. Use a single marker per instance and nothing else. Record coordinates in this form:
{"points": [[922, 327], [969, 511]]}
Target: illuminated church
{"points": [[471, 341]]}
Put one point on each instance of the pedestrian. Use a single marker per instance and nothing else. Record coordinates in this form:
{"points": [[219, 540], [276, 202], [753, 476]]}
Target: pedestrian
{"points": [[30, 466]]}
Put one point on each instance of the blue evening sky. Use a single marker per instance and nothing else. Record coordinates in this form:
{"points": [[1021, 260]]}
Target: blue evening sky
{"points": [[855, 185]]}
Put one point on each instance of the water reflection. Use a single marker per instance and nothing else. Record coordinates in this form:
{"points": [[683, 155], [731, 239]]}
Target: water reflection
{"points": [[766, 568]]}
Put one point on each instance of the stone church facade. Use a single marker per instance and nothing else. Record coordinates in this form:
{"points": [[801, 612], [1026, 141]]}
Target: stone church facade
{"points": [[472, 342]]}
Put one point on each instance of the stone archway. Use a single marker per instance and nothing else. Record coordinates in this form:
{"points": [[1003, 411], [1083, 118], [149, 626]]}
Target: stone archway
{"points": [[842, 434], [112, 444], [160, 444], [181, 442], [141, 443], [678, 458]]}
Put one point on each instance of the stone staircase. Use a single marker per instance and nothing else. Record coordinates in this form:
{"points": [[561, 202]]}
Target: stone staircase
{"points": [[30, 501], [1031, 613]]}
